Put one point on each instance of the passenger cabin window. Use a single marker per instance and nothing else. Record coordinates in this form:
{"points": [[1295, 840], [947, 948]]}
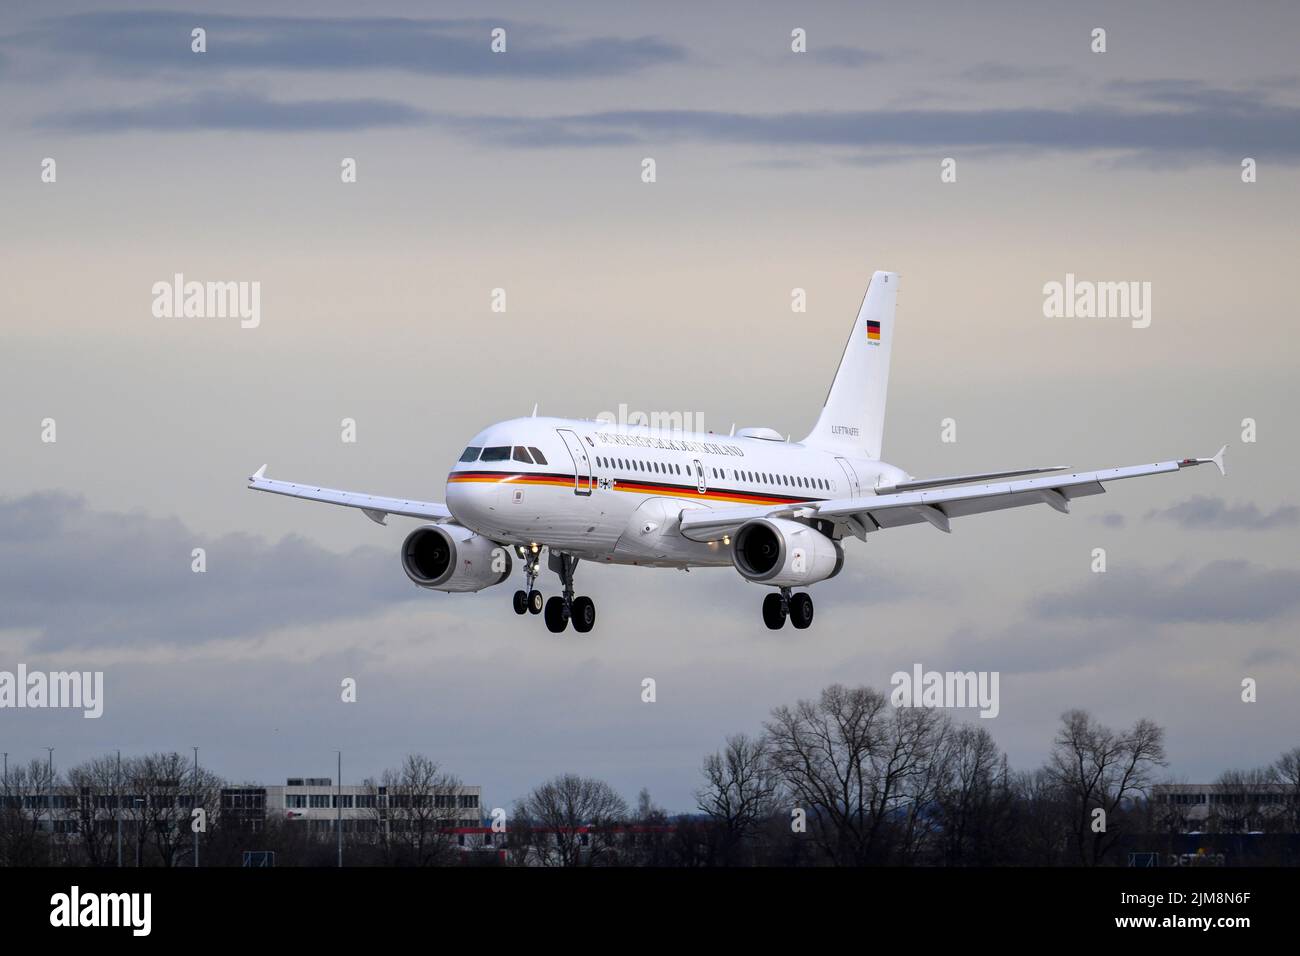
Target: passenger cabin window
{"points": [[521, 454], [470, 453], [537, 455], [496, 453]]}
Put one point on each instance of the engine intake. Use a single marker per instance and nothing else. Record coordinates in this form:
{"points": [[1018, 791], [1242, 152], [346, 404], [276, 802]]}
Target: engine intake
{"points": [[448, 557], [784, 553]]}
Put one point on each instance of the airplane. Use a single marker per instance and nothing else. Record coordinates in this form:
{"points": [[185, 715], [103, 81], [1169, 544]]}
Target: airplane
{"points": [[776, 511]]}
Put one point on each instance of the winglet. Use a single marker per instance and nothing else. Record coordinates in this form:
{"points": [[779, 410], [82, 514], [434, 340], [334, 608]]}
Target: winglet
{"points": [[260, 473], [1216, 460]]}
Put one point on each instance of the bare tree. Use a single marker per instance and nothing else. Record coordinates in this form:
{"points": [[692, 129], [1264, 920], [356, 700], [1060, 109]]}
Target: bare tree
{"points": [[739, 793], [1100, 769], [849, 760], [973, 798], [1243, 801], [1286, 772], [163, 793], [93, 785], [415, 808], [25, 833], [568, 821]]}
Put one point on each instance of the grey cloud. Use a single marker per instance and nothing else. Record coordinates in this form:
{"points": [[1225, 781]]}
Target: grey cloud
{"points": [[1207, 512], [237, 111], [1032, 647], [139, 43], [1111, 519], [1204, 133], [1191, 94], [1005, 73], [1221, 591], [849, 56], [82, 577]]}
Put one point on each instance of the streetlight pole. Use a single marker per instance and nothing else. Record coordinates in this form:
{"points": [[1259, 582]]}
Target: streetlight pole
{"points": [[50, 782], [117, 807], [139, 831], [338, 806], [195, 802]]}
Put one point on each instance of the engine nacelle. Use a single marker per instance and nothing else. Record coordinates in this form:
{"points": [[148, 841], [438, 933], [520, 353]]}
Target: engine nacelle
{"points": [[784, 553], [448, 557]]}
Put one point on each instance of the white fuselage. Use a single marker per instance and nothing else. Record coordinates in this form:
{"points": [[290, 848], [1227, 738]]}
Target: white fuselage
{"points": [[613, 493]]}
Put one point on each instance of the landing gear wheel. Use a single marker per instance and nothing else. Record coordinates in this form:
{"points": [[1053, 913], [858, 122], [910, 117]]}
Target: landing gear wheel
{"points": [[557, 615], [774, 612], [521, 602], [535, 602], [584, 614], [801, 610]]}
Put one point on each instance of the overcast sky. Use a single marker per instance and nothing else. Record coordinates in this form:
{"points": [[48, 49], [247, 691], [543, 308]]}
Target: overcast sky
{"points": [[522, 170]]}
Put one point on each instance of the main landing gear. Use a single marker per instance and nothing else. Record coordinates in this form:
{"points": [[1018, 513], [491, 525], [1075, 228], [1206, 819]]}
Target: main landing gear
{"points": [[563, 607], [777, 607]]}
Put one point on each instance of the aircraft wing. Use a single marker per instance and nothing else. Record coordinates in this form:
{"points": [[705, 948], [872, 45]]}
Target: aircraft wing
{"points": [[860, 516], [374, 507]]}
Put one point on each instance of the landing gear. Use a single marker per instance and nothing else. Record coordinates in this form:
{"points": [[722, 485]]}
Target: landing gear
{"points": [[584, 614], [801, 610], [564, 606], [529, 600], [557, 615], [777, 607], [774, 611]]}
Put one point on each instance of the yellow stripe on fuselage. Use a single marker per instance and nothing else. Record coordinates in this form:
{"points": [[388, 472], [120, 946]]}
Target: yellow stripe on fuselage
{"points": [[630, 487]]}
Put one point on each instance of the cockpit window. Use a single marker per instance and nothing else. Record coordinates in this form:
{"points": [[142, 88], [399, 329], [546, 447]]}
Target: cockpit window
{"points": [[470, 453], [537, 455], [521, 454], [496, 453]]}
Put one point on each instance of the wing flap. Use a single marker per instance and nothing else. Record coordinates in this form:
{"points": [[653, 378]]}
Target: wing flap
{"points": [[936, 506]]}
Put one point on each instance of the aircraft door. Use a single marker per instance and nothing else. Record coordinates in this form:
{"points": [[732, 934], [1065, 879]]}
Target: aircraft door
{"points": [[581, 461], [701, 481]]}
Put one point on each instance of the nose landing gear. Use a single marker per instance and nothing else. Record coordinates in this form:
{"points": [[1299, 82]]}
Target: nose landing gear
{"points": [[529, 600], [777, 607]]}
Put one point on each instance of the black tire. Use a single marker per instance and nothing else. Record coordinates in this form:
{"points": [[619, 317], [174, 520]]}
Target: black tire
{"points": [[557, 615], [535, 602], [584, 614], [773, 612], [801, 610], [521, 602]]}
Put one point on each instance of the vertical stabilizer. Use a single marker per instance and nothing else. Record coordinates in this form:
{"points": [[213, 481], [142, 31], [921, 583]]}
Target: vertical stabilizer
{"points": [[852, 421]]}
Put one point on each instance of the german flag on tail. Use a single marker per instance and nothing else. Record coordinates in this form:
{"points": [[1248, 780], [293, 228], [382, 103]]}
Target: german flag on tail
{"points": [[873, 331]]}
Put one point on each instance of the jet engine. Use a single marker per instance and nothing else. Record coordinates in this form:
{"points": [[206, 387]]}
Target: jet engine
{"points": [[784, 553], [448, 557]]}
